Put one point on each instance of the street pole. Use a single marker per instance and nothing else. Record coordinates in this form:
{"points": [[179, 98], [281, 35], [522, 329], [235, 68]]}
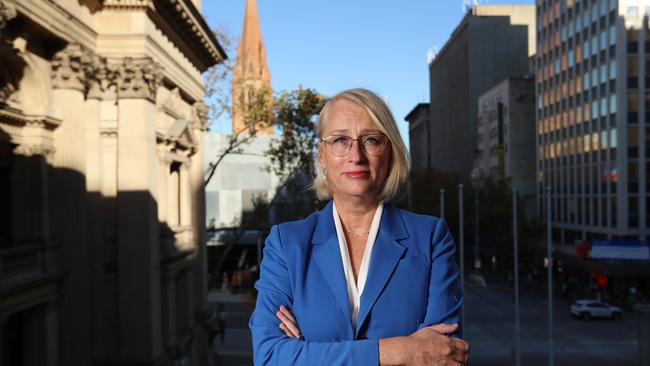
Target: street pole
{"points": [[442, 203], [515, 245], [477, 258], [549, 271], [462, 247]]}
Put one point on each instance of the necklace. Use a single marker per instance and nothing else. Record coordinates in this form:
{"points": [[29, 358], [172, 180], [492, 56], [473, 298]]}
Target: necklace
{"points": [[357, 235]]}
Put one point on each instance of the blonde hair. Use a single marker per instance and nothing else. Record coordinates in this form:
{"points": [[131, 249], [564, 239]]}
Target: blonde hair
{"points": [[383, 119]]}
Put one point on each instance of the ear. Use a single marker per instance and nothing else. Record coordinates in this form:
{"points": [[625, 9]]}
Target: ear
{"points": [[321, 158]]}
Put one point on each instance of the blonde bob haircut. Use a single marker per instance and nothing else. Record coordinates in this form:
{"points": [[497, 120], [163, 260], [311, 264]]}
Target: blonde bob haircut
{"points": [[384, 121]]}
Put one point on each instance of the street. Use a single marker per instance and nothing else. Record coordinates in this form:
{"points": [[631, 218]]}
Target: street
{"points": [[489, 329]]}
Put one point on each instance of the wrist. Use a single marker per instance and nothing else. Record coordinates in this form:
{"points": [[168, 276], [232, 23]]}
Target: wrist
{"points": [[393, 351]]}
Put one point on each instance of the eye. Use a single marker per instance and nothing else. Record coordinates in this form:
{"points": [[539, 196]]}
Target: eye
{"points": [[340, 140], [372, 140]]}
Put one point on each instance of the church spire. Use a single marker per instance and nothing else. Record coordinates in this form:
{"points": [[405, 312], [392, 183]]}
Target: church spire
{"points": [[251, 73]]}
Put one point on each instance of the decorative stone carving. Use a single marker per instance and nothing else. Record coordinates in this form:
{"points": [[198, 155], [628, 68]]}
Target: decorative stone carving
{"points": [[72, 68], [200, 120], [11, 71], [12, 64], [7, 12], [33, 150], [101, 78], [138, 78], [173, 105]]}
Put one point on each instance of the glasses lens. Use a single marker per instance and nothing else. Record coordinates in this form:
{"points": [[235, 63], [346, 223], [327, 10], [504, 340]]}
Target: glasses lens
{"points": [[374, 144], [340, 145]]}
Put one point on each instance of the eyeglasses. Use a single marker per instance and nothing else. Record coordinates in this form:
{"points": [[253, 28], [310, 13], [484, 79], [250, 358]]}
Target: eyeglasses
{"points": [[341, 145]]}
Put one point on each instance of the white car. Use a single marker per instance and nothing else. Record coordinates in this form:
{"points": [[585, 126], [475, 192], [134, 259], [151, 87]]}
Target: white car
{"points": [[587, 309]]}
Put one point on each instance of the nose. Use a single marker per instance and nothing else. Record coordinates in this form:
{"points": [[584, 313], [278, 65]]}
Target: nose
{"points": [[356, 153]]}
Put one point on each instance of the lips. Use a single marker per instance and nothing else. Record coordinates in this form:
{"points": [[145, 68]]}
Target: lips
{"points": [[357, 174]]}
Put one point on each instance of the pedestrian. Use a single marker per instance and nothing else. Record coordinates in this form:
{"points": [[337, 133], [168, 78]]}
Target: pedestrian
{"points": [[360, 282]]}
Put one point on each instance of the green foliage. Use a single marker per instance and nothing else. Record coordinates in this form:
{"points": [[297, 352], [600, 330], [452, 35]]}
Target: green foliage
{"points": [[294, 114]]}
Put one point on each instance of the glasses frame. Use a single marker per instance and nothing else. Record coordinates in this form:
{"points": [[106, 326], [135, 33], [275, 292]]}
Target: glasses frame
{"points": [[326, 140]]}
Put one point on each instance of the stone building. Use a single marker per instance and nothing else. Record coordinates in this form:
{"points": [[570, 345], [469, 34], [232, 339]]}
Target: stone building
{"points": [[102, 255], [505, 137]]}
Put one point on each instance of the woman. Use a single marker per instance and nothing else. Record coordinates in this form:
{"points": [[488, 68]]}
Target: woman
{"points": [[366, 283]]}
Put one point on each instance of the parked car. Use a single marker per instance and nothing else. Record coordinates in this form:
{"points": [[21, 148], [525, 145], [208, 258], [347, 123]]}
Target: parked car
{"points": [[587, 309]]}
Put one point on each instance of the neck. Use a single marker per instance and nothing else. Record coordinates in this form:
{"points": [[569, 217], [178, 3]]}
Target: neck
{"points": [[356, 214]]}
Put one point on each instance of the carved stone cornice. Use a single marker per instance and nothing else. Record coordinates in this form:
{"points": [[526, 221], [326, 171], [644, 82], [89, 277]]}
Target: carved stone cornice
{"points": [[200, 120], [138, 78], [128, 4], [72, 68], [33, 150]]}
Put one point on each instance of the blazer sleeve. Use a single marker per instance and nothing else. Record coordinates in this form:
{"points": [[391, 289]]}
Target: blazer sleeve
{"points": [[445, 293], [270, 345]]}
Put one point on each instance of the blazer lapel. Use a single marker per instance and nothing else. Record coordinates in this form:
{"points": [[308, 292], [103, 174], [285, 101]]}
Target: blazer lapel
{"points": [[327, 254], [385, 256]]}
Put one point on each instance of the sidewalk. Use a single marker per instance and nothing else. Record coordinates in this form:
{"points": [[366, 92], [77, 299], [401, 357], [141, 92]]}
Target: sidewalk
{"points": [[235, 349]]}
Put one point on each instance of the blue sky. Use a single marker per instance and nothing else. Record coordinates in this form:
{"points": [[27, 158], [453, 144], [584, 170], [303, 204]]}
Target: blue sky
{"points": [[337, 44]]}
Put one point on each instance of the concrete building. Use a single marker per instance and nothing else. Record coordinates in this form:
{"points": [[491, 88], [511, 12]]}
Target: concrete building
{"points": [[419, 137], [491, 43], [506, 135], [102, 242], [241, 177], [592, 109]]}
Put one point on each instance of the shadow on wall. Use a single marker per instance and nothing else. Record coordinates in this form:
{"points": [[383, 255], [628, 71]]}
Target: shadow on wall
{"points": [[88, 278]]}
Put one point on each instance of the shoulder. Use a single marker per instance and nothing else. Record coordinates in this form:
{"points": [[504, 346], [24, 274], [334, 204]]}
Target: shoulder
{"points": [[412, 219], [294, 231]]}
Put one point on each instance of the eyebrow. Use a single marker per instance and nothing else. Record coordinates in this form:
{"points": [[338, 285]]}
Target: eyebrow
{"points": [[347, 130]]}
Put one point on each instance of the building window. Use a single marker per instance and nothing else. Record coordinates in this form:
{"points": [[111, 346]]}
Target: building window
{"points": [[603, 107], [612, 35], [594, 77], [603, 73], [612, 69], [594, 45], [603, 139], [571, 58], [594, 13], [594, 109], [585, 49], [585, 83], [612, 103]]}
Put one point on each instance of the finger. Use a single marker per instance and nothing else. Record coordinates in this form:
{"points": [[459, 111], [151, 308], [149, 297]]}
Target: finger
{"points": [[289, 324], [460, 344], [285, 330], [445, 328], [288, 313]]}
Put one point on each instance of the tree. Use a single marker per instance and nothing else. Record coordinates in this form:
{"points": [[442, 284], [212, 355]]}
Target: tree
{"points": [[257, 111], [295, 114]]}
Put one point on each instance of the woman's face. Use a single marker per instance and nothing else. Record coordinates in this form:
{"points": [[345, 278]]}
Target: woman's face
{"points": [[357, 174]]}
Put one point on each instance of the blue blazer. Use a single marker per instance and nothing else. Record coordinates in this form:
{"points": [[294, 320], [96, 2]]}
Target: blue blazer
{"points": [[412, 282]]}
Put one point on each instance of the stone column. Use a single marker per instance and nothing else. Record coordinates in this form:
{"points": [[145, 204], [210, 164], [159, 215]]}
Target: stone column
{"points": [[70, 70], [140, 340], [173, 194], [199, 271], [185, 195], [97, 84]]}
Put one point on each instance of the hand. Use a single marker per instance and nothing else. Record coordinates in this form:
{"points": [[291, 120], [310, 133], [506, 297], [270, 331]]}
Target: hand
{"points": [[433, 346], [288, 323]]}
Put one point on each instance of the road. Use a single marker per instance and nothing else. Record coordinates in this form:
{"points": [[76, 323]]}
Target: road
{"points": [[489, 329]]}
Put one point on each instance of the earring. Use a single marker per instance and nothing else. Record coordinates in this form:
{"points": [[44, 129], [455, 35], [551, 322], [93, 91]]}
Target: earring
{"points": [[325, 174]]}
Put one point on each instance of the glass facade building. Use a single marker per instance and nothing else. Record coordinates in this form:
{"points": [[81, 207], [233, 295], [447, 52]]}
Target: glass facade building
{"points": [[592, 109]]}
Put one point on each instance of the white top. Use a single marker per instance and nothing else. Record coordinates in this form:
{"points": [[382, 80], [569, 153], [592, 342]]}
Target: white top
{"points": [[356, 289]]}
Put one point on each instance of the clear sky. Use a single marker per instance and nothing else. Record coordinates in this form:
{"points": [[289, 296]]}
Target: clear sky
{"points": [[336, 44]]}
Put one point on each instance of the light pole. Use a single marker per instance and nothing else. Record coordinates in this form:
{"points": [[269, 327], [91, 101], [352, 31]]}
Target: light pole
{"points": [[462, 246], [442, 203], [515, 249], [549, 271]]}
